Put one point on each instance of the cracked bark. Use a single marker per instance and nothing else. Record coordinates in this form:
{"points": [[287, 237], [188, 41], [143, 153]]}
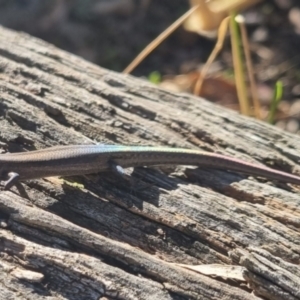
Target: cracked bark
{"points": [[92, 236]]}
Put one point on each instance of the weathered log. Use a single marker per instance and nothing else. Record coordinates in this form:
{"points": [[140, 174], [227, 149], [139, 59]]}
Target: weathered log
{"points": [[93, 237]]}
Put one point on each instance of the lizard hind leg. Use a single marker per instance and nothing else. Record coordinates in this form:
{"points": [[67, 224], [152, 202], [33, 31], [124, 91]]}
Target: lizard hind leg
{"points": [[13, 178], [117, 169], [134, 184]]}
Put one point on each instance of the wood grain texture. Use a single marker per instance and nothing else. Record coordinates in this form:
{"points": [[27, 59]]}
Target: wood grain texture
{"points": [[94, 237]]}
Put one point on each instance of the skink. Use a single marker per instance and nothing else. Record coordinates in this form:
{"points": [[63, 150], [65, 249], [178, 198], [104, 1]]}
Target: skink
{"points": [[87, 159]]}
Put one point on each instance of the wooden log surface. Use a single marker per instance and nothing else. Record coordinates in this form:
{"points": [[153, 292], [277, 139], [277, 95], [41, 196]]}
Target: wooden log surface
{"points": [[94, 237]]}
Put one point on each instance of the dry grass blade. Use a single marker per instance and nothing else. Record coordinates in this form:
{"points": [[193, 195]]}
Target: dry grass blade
{"points": [[221, 37], [158, 41], [253, 86], [224, 271], [238, 67]]}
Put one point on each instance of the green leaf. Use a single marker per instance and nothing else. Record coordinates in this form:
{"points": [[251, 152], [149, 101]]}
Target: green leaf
{"points": [[277, 97]]}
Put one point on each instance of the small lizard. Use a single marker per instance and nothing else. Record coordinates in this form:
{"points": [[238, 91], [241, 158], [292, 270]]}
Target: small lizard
{"points": [[87, 159]]}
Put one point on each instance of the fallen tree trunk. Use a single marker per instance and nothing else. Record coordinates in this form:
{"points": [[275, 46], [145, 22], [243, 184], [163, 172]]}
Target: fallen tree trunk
{"points": [[91, 237]]}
